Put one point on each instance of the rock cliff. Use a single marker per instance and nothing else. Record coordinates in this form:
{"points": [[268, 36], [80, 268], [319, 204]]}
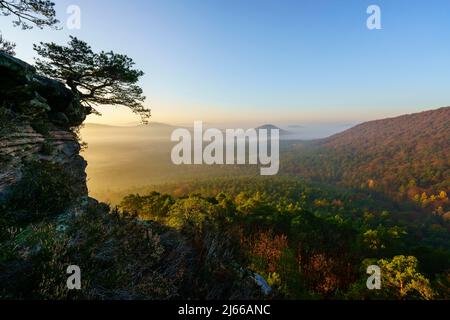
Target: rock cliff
{"points": [[38, 121]]}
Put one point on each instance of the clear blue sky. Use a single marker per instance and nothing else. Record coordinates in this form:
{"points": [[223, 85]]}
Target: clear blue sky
{"points": [[257, 61]]}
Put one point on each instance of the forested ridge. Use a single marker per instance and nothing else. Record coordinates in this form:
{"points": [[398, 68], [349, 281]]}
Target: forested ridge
{"points": [[406, 158]]}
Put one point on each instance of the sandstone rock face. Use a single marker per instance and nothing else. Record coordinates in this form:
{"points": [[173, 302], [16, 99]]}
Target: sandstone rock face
{"points": [[37, 117], [25, 92]]}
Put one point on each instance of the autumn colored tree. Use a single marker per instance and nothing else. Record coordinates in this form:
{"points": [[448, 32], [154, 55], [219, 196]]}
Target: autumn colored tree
{"points": [[269, 248], [401, 278]]}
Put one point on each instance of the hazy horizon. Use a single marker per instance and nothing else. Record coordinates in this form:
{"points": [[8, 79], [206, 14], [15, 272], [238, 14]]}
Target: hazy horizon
{"points": [[304, 131]]}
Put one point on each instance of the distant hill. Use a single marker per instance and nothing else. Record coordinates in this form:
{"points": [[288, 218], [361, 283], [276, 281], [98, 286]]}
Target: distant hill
{"points": [[403, 156], [410, 131], [273, 127]]}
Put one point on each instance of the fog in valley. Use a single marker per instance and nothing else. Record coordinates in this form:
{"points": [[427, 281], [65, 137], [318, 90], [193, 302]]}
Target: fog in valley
{"points": [[123, 160]]}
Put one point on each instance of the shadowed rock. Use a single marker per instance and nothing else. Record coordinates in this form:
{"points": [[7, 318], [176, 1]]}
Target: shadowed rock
{"points": [[37, 115]]}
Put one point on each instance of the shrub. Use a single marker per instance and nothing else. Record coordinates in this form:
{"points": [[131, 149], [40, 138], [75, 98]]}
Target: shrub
{"points": [[119, 258], [45, 190]]}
